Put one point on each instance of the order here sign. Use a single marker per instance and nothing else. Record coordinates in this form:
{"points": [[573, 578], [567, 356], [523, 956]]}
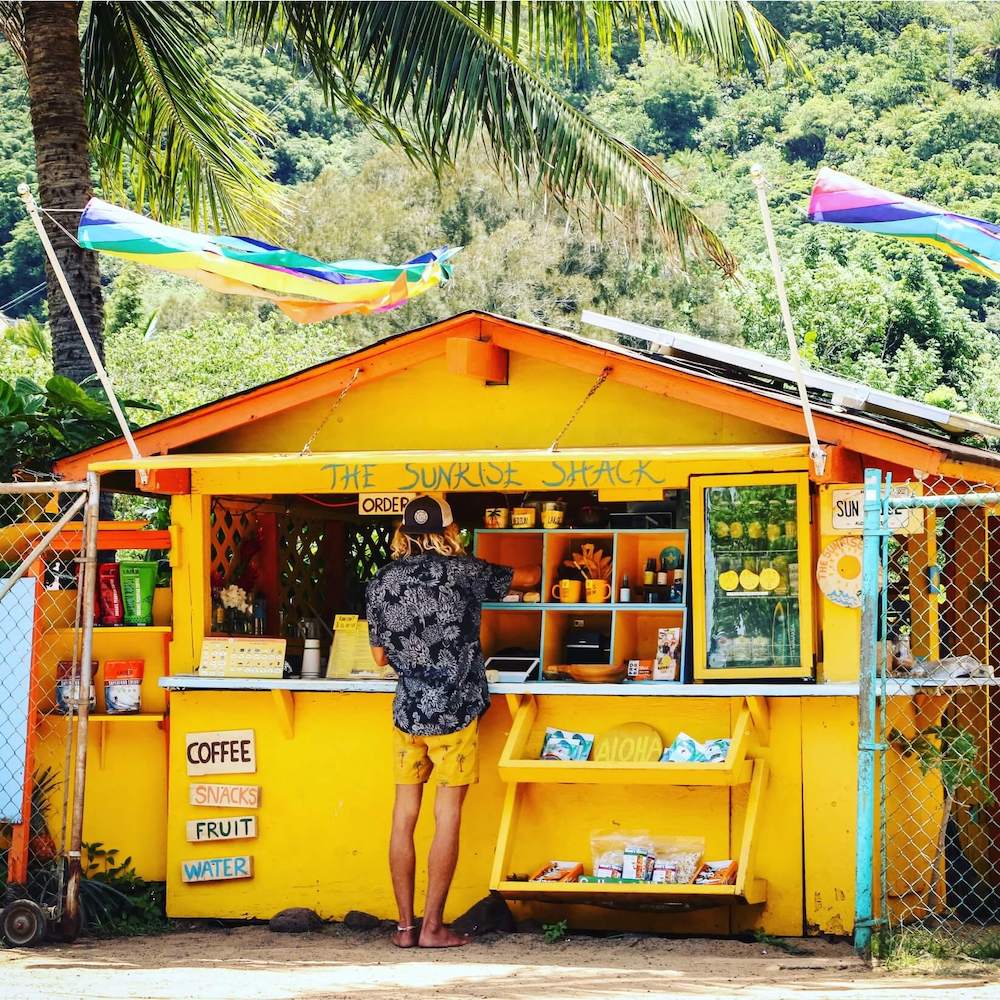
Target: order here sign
{"points": [[230, 751], [383, 504]]}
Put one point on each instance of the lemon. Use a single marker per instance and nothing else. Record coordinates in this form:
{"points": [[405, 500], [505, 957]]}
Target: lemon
{"points": [[729, 580], [722, 530], [736, 530], [773, 531], [755, 529], [769, 579], [749, 580]]}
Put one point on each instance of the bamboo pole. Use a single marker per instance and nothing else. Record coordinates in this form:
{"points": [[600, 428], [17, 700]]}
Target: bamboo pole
{"points": [[32, 209]]}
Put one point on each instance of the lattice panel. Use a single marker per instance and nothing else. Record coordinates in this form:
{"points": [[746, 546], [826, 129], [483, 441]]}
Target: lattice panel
{"points": [[304, 569], [229, 528], [368, 549]]}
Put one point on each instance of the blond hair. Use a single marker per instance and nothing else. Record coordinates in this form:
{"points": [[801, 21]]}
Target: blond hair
{"points": [[444, 543]]}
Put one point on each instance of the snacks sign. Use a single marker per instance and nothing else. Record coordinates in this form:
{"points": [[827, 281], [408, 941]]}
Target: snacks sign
{"points": [[231, 796], [230, 751]]}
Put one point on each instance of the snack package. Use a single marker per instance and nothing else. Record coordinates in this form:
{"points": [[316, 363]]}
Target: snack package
{"points": [[565, 744], [716, 873], [668, 654], [558, 871], [640, 857], [123, 686], [687, 750], [678, 860], [138, 584]]}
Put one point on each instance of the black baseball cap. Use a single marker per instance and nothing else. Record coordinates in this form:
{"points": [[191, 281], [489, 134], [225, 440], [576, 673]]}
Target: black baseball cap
{"points": [[426, 515]]}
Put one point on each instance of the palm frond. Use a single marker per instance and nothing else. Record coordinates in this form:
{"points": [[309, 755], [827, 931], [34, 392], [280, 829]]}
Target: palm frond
{"points": [[12, 27], [167, 133], [445, 78], [733, 34]]}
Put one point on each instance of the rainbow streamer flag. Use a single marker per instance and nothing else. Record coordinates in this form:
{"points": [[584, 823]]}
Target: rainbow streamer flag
{"points": [[846, 201], [306, 289]]}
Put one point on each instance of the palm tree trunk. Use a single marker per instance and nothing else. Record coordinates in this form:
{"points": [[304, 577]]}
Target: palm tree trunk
{"points": [[59, 124]]}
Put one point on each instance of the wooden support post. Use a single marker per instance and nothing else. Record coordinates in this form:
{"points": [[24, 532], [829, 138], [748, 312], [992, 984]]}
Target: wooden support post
{"points": [[284, 704]]}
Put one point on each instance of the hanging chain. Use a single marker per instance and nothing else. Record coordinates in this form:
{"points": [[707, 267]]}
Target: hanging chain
{"points": [[307, 447], [601, 379]]}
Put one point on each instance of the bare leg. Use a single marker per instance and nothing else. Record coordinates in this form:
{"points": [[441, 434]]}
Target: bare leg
{"points": [[402, 859], [441, 867]]}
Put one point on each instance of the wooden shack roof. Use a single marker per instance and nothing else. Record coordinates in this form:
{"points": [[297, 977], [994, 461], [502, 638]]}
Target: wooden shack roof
{"points": [[892, 443]]}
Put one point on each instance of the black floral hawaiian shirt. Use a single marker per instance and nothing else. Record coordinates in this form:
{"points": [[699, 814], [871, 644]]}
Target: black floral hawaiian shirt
{"points": [[424, 610]]}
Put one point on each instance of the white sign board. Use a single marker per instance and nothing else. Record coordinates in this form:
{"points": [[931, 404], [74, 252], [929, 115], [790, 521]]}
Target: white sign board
{"points": [[847, 509], [222, 828], [383, 504], [228, 752], [217, 869], [232, 796]]}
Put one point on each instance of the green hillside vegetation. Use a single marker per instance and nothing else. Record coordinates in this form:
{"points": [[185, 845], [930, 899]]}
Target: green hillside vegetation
{"points": [[884, 103]]}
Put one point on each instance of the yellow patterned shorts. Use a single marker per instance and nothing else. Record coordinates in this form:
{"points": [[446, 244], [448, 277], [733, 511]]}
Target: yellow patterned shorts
{"points": [[453, 757]]}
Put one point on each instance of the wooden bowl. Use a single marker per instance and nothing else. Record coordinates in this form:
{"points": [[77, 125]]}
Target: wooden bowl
{"points": [[594, 673]]}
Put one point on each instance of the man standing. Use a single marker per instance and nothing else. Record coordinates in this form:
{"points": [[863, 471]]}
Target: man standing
{"points": [[423, 612]]}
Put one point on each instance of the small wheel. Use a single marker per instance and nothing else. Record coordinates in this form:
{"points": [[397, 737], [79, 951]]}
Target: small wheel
{"points": [[22, 923]]}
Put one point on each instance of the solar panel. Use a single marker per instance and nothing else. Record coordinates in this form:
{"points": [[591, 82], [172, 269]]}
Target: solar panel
{"points": [[844, 393]]}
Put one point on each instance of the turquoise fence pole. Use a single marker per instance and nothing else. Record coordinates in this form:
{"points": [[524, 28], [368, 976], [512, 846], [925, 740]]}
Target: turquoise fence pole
{"points": [[864, 839]]}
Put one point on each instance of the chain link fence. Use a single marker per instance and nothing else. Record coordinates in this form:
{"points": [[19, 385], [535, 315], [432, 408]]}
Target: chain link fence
{"points": [[936, 843], [42, 544]]}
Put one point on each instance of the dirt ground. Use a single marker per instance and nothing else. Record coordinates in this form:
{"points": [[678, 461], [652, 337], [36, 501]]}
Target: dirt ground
{"points": [[252, 963]]}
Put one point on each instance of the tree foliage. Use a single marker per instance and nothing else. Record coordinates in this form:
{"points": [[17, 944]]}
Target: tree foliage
{"points": [[877, 104]]}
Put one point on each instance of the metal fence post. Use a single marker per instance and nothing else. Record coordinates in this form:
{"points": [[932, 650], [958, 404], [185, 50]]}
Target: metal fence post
{"points": [[864, 842], [71, 912]]}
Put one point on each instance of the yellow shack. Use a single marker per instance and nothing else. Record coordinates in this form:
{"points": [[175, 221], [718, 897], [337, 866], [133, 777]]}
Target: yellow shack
{"points": [[681, 482]]}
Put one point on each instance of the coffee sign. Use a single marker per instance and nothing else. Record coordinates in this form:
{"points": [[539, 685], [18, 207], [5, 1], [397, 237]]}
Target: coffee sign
{"points": [[230, 751]]}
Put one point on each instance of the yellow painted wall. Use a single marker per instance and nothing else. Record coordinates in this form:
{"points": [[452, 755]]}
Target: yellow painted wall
{"points": [[427, 406], [327, 794], [126, 796]]}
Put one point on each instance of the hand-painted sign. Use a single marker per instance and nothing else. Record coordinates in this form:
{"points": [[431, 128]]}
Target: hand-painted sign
{"points": [[630, 742], [585, 474], [229, 752], [217, 869], [847, 511], [383, 504], [234, 796], [222, 828]]}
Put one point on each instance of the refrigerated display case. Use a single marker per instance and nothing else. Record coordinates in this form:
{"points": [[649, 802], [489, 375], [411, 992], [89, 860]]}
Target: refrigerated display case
{"points": [[755, 570]]}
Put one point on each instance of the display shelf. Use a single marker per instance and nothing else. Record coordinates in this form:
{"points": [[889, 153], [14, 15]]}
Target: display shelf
{"points": [[635, 895], [100, 721], [130, 630], [506, 624], [736, 769], [557, 606], [748, 889]]}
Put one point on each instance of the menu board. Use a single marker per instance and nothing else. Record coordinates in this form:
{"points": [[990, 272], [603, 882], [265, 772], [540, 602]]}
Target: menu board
{"points": [[351, 654]]}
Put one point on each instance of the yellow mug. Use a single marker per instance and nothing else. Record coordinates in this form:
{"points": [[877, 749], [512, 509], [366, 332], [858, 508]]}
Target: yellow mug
{"points": [[568, 591], [552, 519], [523, 517], [598, 591]]}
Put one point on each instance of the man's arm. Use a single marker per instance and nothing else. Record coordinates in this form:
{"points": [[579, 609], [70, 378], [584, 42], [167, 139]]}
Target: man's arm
{"points": [[526, 577], [379, 656]]}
